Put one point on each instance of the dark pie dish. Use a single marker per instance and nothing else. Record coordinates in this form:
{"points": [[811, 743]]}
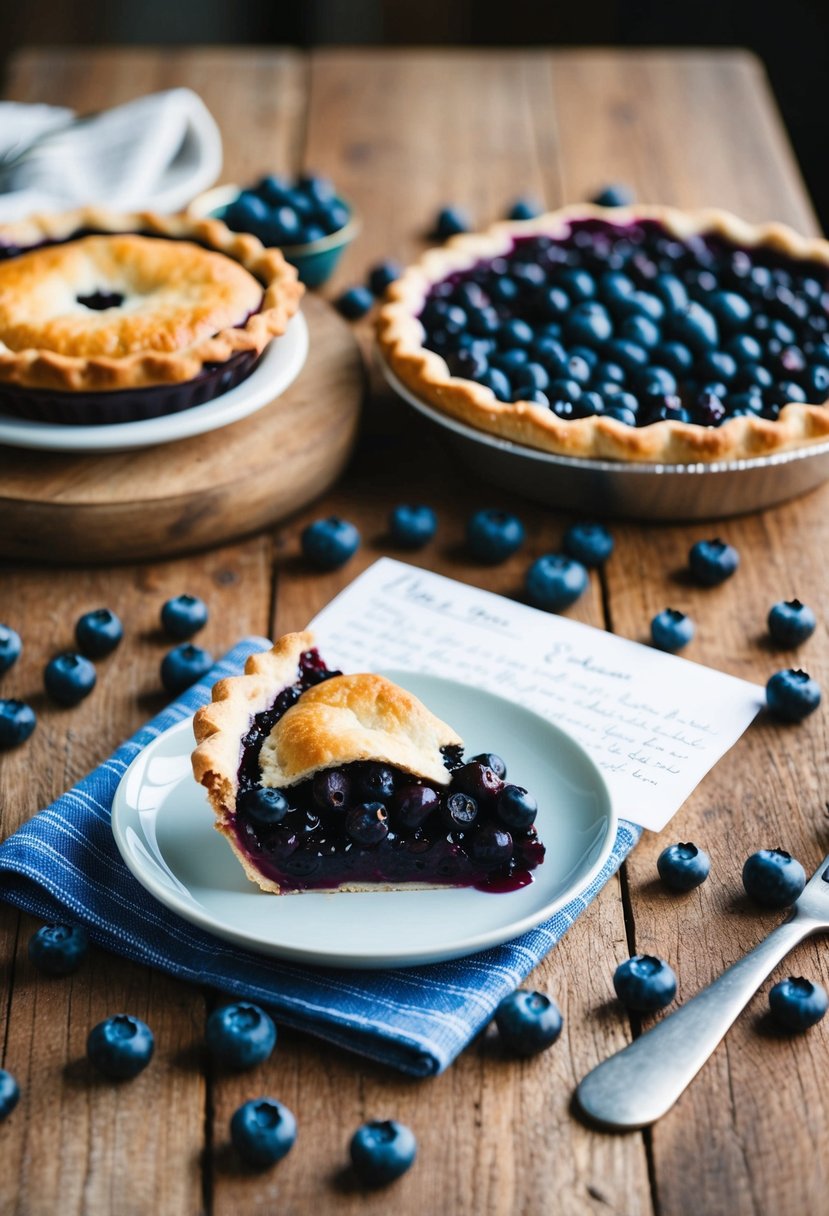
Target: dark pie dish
{"points": [[320, 781], [109, 318], [640, 335]]}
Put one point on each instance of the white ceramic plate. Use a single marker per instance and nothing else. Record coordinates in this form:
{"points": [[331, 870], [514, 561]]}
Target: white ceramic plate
{"points": [[164, 830], [278, 368]]}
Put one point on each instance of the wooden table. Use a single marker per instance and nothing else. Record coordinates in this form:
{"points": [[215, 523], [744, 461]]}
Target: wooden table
{"points": [[401, 133]]}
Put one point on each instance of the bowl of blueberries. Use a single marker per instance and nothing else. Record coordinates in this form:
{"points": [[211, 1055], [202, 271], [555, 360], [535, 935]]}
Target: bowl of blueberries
{"points": [[303, 216]]}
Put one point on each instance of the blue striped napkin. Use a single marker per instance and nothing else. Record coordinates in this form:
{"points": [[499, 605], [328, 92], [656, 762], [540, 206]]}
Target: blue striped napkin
{"points": [[63, 864]]}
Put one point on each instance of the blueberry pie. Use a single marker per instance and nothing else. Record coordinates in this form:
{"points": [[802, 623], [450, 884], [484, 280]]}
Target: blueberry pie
{"points": [[107, 318], [325, 781], [633, 333]]}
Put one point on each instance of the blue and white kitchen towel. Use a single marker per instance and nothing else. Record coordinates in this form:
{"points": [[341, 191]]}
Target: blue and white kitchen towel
{"points": [[63, 864]]}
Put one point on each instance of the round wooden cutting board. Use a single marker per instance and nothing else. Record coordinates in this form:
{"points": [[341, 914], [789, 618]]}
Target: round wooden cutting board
{"points": [[196, 492]]}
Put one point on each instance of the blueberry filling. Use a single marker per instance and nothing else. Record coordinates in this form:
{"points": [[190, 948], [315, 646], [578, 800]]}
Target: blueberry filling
{"points": [[630, 322], [98, 301], [369, 822]]}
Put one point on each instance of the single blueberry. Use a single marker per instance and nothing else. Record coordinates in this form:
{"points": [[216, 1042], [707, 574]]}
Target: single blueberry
{"points": [[516, 808], [412, 526], [564, 390], [578, 283], [530, 377], [791, 623], [524, 209], [644, 983], [591, 403], [414, 804], [183, 616], [614, 196], [184, 666], [492, 536], [460, 812], [98, 633], [629, 354], [240, 1035], [773, 878], [382, 276], [797, 1003], [511, 360], [528, 1022], [743, 348], [750, 375], [328, 544], [556, 304], [375, 782], [609, 373], [282, 227], [9, 1094], [614, 286], [589, 322], [450, 221], [58, 949], [17, 721], [578, 370], [730, 309], [555, 581], [493, 761], [589, 543], [318, 188], [621, 413], [382, 1151], [10, 647], [354, 303], [792, 695], [262, 1131], [333, 216], [264, 806], [367, 825], [675, 356], [496, 380], [671, 291], [491, 845], [712, 561], [121, 1046], [247, 213], [683, 866], [515, 332], [671, 630], [655, 382], [69, 678], [695, 326]]}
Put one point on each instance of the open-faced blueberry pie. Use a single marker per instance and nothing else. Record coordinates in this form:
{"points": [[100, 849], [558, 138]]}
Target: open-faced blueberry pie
{"points": [[324, 781], [110, 318], [634, 333]]}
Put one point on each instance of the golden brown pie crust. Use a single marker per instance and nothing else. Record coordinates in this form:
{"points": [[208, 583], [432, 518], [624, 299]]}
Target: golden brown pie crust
{"points": [[400, 336], [196, 294]]}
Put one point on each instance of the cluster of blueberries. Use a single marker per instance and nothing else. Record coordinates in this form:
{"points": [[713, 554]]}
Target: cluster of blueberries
{"points": [[70, 677], [286, 211], [628, 322], [773, 879], [554, 581]]}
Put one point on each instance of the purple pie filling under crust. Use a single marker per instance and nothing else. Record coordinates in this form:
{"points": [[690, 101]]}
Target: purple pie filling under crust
{"points": [[311, 847]]}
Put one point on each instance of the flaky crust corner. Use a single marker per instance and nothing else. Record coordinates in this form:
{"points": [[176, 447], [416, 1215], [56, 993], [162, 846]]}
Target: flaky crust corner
{"points": [[400, 336], [50, 370]]}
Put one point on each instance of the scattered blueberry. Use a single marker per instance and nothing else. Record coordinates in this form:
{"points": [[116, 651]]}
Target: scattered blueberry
{"points": [[792, 695], [329, 543], [59, 949], [10, 647], [450, 221], [183, 616], [183, 666], [773, 878], [240, 1035], [671, 630], [98, 633], [382, 276], [644, 983], [524, 209], [263, 1131], [265, 806], [412, 526], [591, 544], [614, 196], [492, 536], [9, 1094], [713, 561], [17, 721], [69, 678], [528, 1022], [382, 1151], [791, 623], [554, 582], [354, 303], [120, 1047], [797, 1003], [683, 866]]}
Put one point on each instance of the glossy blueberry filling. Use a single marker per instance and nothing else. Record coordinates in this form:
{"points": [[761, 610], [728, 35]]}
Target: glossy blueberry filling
{"points": [[369, 822], [632, 323]]}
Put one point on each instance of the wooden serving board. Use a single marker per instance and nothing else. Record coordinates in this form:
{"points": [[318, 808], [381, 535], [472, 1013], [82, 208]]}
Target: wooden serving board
{"points": [[195, 493]]}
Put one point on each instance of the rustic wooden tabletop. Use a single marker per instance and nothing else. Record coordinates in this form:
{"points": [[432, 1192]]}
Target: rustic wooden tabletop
{"points": [[402, 132]]}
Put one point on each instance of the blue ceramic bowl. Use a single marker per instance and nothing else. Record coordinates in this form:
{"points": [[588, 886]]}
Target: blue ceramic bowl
{"points": [[315, 261]]}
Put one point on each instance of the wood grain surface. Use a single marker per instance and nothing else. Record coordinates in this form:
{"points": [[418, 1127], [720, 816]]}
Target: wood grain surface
{"points": [[402, 133]]}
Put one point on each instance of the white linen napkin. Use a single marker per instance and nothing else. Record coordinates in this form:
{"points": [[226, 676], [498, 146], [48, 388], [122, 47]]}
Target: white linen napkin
{"points": [[154, 153]]}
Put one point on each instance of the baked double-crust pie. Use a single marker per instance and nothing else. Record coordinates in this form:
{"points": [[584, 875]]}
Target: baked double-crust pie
{"points": [[325, 781], [632, 333], [97, 308]]}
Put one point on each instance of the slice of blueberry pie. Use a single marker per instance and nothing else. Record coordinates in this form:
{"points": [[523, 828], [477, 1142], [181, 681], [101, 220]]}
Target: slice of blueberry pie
{"points": [[632, 333], [110, 318], [325, 781]]}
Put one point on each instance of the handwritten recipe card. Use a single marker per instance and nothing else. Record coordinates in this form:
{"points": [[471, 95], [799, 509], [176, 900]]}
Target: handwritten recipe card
{"points": [[655, 724]]}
